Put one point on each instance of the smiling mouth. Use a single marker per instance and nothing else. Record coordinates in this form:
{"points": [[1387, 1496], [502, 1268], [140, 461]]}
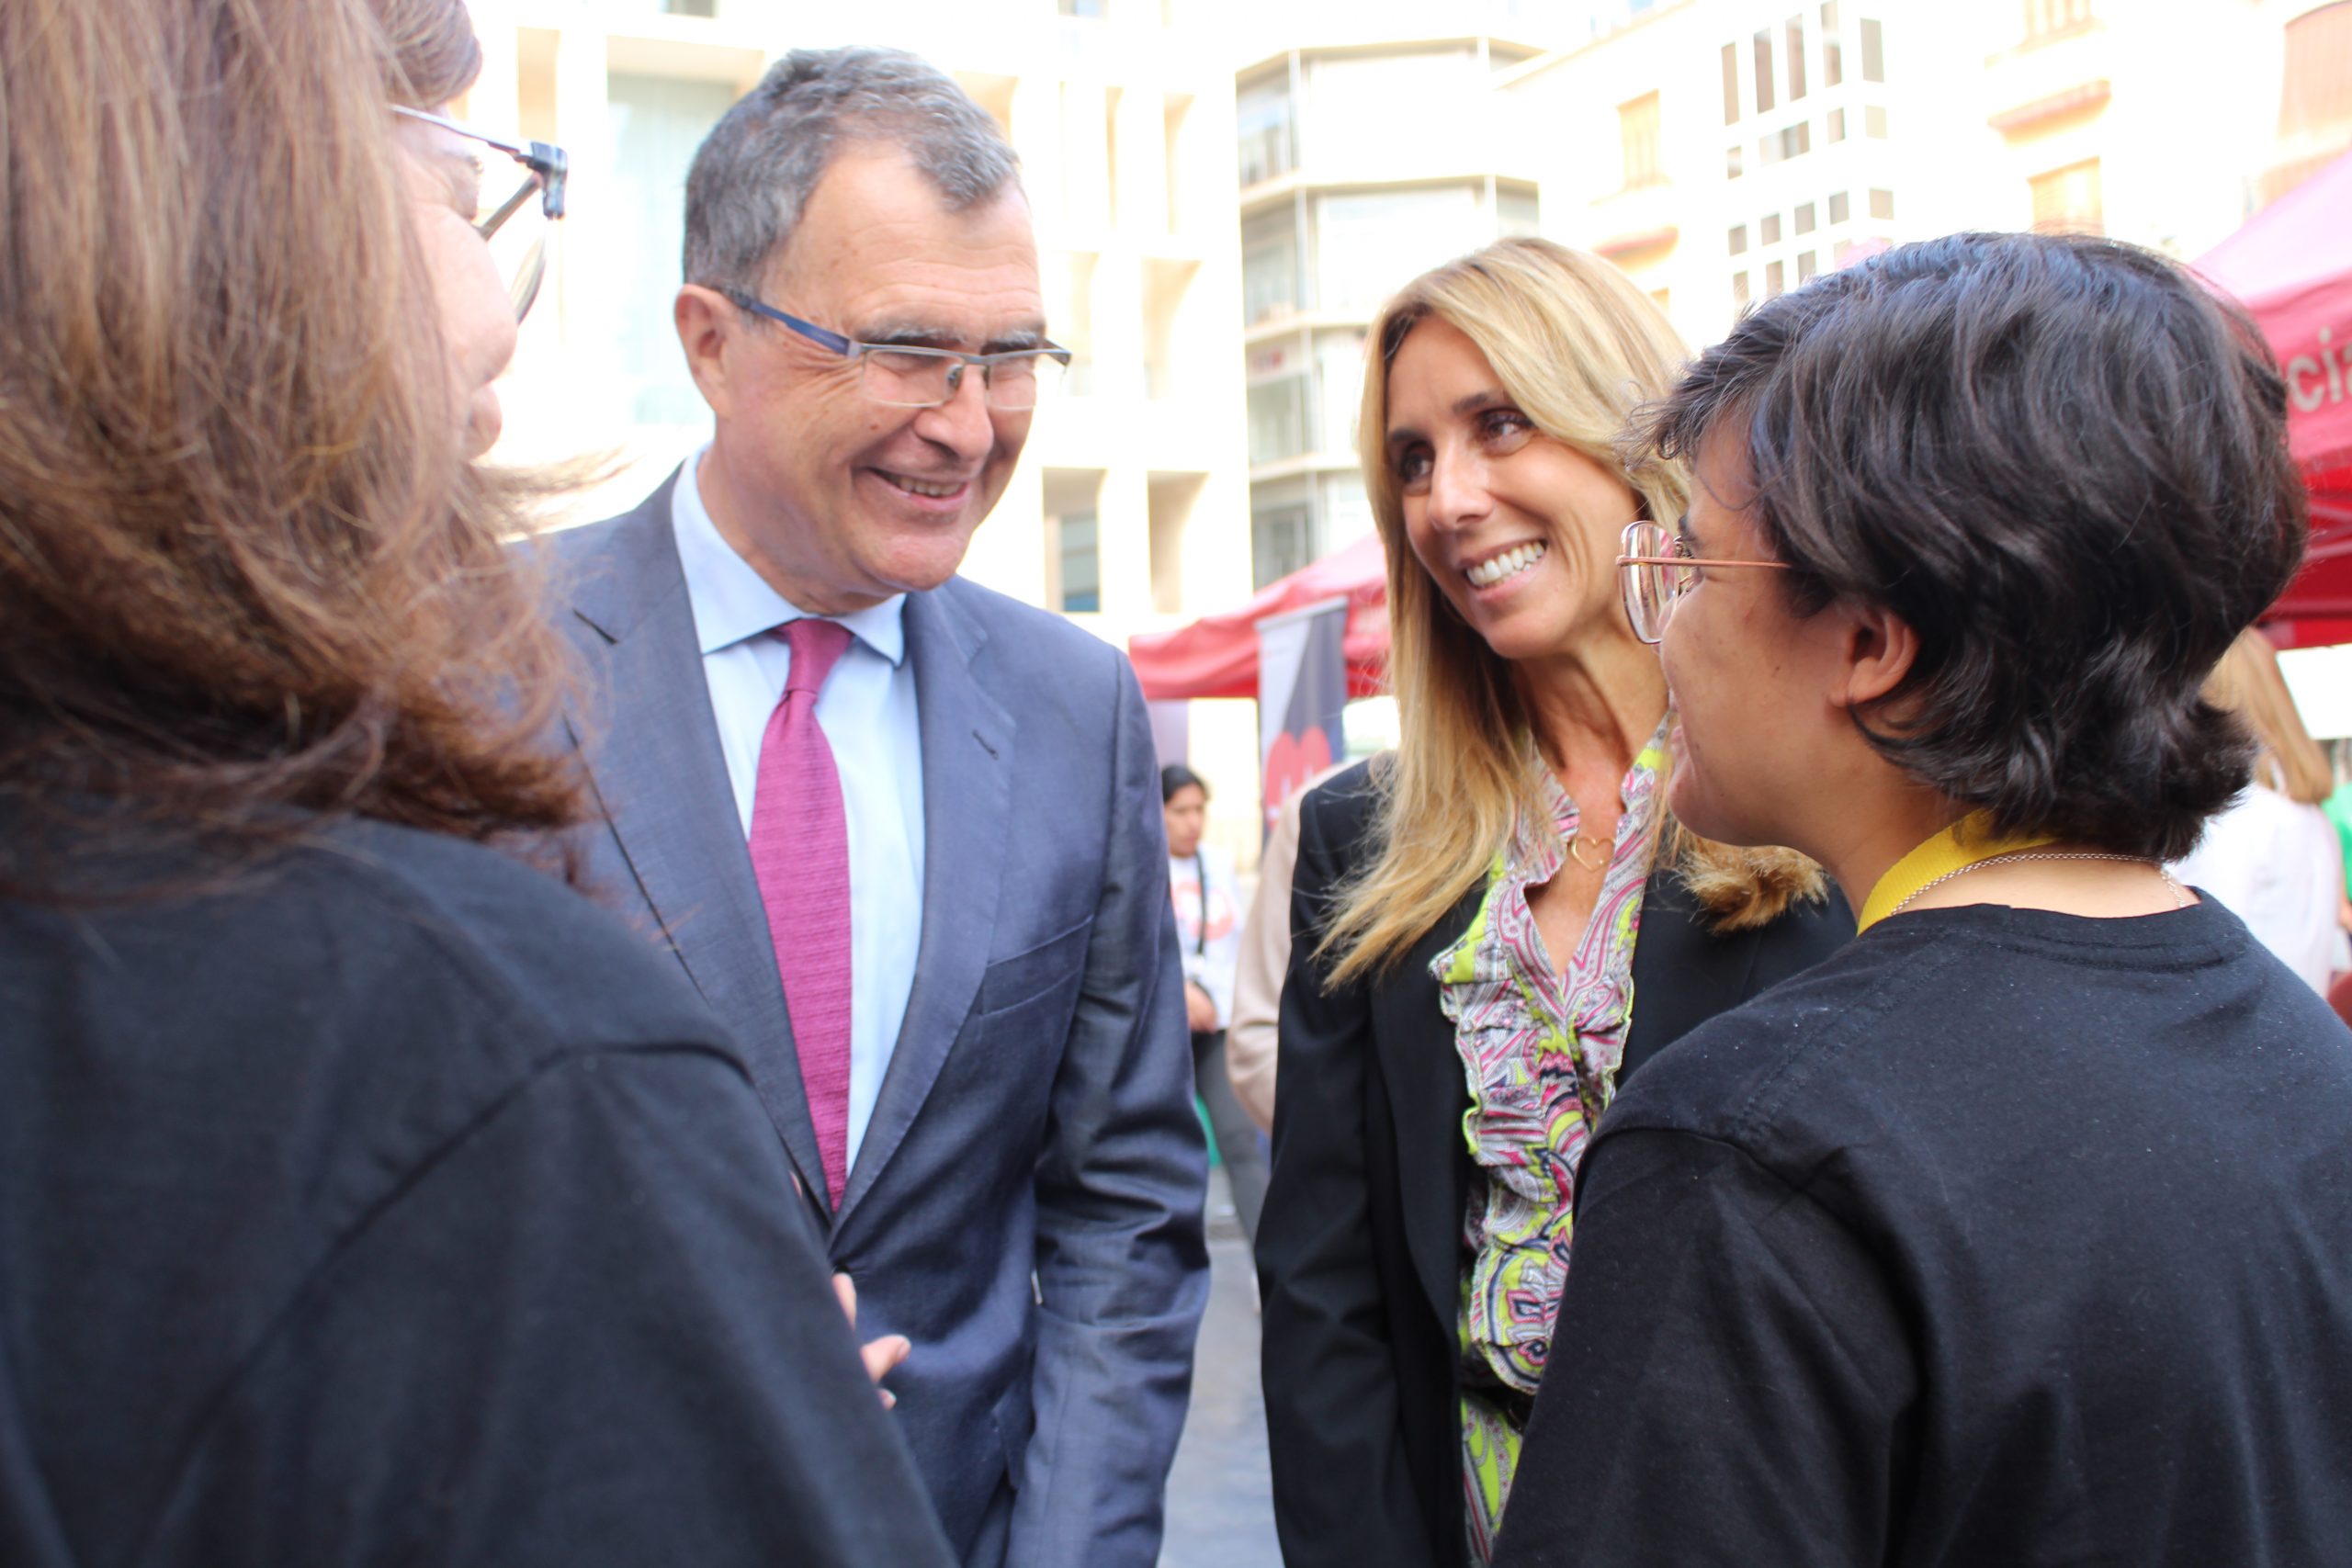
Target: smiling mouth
{"points": [[930, 490], [1511, 563]]}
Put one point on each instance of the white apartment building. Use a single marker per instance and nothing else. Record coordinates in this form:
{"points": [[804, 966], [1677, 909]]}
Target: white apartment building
{"points": [[1723, 151], [1367, 156], [1130, 507]]}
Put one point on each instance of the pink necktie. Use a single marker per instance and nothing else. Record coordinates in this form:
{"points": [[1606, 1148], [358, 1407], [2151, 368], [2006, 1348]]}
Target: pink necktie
{"points": [[800, 855]]}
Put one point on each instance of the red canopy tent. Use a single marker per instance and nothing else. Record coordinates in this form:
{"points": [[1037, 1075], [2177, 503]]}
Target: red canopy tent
{"points": [[2292, 267], [1217, 655]]}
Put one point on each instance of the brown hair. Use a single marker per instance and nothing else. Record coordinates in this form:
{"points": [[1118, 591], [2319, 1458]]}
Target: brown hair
{"points": [[1578, 349], [246, 576], [2248, 683]]}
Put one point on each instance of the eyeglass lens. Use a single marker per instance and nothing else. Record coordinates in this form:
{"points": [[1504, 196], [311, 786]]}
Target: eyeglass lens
{"points": [[1649, 590], [518, 235], [907, 379]]}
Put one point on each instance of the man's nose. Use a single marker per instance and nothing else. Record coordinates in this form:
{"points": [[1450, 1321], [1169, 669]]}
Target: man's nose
{"points": [[961, 424]]}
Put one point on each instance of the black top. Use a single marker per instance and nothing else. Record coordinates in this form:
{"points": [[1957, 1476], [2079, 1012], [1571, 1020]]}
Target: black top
{"points": [[402, 1207], [1359, 1249], [2002, 1238]]}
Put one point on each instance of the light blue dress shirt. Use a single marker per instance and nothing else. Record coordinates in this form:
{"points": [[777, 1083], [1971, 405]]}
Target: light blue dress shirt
{"points": [[867, 712]]}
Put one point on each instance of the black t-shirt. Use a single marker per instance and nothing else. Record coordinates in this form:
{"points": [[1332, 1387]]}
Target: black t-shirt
{"points": [[2002, 1237], [401, 1207]]}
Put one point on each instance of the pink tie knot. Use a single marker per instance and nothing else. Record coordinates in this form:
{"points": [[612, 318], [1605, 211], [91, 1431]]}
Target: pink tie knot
{"points": [[817, 646]]}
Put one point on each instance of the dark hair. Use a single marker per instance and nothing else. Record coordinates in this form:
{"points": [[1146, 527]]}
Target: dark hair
{"points": [[754, 175], [1176, 776], [2063, 464], [246, 576]]}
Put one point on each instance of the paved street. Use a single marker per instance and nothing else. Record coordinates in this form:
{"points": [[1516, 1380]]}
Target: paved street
{"points": [[1220, 1514]]}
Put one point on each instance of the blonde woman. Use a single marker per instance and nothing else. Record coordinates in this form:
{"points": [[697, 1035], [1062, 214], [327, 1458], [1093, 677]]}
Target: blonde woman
{"points": [[1496, 923], [2272, 857]]}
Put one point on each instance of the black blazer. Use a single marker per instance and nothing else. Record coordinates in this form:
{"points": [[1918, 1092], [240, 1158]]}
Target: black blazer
{"points": [[1359, 1249]]}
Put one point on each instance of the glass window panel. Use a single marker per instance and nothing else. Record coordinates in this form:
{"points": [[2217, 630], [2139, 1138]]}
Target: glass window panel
{"points": [[2066, 201], [1080, 548], [1839, 207], [1875, 121], [1873, 52], [1637, 138], [1773, 279], [1833, 52], [656, 124], [1795, 33], [1731, 163], [1739, 288], [1270, 270], [1804, 217], [1808, 264], [1517, 213], [1763, 70], [1769, 231], [1261, 113], [1278, 419], [1367, 244], [1837, 125], [1739, 239], [1282, 540], [1731, 84], [1883, 204]]}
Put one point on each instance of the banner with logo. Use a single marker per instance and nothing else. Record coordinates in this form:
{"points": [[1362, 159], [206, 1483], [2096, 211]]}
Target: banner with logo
{"points": [[1302, 698]]}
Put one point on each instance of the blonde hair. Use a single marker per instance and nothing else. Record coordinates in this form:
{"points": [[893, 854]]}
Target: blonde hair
{"points": [[2248, 683], [1578, 349]]}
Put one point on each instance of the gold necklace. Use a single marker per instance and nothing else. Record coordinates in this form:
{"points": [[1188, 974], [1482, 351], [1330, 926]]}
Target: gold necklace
{"points": [[2179, 899], [1599, 852]]}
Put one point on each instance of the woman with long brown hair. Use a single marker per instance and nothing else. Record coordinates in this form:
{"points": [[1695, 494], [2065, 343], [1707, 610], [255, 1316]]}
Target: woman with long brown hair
{"points": [[1496, 923], [368, 1196]]}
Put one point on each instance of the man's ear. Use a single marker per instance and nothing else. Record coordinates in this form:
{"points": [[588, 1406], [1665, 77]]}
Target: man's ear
{"points": [[706, 322], [1876, 650]]}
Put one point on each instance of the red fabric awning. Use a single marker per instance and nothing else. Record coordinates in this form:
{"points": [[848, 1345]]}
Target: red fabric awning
{"points": [[1217, 655], [2291, 266]]}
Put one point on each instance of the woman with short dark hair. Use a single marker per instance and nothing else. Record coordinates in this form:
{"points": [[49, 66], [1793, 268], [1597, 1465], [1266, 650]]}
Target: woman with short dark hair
{"points": [[2020, 1230], [367, 1196]]}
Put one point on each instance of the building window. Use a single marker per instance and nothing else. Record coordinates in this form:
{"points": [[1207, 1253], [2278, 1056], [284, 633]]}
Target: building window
{"points": [[1807, 266], [1731, 84], [1517, 213], [1739, 288], [2043, 18], [1795, 39], [1763, 70], [1839, 208], [1278, 413], [1262, 114], [1804, 218], [1833, 53], [2066, 201], [690, 8], [1881, 204], [656, 124], [1269, 281], [1082, 8], [1769, 231], [1739, 239], [1789, 141], [1837, 125], [1873, 52], [1077, 546], [1875, 121], [1365, 241], [1774, 276], [1731, 163], [1637, 135], [1282, 540]]}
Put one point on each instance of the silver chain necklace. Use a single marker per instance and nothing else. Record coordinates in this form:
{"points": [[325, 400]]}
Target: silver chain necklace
{"points": [[2179, 899]]}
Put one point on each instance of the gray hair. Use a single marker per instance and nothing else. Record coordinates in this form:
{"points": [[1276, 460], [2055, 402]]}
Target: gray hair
{"points": [[751, 179]]}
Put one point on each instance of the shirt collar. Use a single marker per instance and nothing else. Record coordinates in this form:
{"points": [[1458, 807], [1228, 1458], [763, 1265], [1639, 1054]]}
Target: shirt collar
{"points": [[733, 604]]}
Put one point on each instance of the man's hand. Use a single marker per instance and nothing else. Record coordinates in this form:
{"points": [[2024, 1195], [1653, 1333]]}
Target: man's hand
{"points": [[1199, 1011], [882, 1356]]}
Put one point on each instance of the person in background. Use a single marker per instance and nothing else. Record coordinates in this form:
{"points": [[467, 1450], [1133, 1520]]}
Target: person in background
{"points": [[2272, 856], [1492, 926], [370, 1196], [1208, 927], [2020, 1230], [1252, 1040], [899, 829]]}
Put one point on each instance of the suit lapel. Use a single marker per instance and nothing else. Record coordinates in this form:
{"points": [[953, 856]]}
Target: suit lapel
{"points": [[1427, 1096], [1683, 974], [654, 760], [967, 757]]}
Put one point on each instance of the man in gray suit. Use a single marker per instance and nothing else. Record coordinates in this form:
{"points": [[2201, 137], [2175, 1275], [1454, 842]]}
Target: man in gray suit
{"points": [[936, 920]]}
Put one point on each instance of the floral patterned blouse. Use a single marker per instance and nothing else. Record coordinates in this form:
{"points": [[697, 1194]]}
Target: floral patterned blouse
{"points": [[1539, 1051]]}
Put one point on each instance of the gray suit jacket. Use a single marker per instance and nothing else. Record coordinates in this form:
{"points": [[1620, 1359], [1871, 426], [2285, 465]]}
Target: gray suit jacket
{"points": [[1036, 1116]]}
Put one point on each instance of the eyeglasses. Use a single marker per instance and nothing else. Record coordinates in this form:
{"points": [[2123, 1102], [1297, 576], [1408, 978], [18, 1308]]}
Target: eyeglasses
{"points": [[1656, 570], [517, 229], [905, 377]]}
